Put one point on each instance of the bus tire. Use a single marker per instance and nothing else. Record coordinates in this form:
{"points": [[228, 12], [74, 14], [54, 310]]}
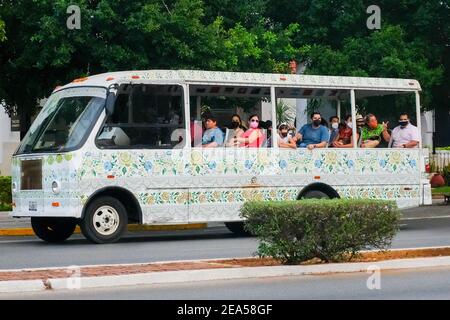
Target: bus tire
{"points": [[315, 194], [53, 229], [105, 220], [237, 227]]}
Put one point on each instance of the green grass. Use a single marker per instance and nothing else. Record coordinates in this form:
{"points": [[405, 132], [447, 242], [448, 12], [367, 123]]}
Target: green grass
{"points": [[441, 190], [5, 207]]}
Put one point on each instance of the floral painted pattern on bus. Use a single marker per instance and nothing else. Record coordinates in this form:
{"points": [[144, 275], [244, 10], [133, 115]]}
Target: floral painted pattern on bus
{"points": [[152, 175], [247, 161], [378, 192], [132, 164], [241, 195]]}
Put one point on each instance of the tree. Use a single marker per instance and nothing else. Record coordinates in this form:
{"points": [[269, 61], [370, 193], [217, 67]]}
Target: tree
{"points": [[247, 13], [41, 52], [384, 53], [2, 31], [414, 40], [284, 113]]}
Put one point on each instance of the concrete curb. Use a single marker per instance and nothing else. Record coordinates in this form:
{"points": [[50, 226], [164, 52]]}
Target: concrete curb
{"points": [[16, 232], [246, 273], [17, 286], [217, 274]]}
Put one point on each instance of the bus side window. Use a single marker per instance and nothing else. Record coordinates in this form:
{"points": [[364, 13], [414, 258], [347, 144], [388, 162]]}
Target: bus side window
{"points": [[230, 108], [148, 116]]}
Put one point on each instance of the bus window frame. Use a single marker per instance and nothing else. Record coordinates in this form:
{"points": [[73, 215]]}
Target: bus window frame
{"points": [[144, 82], [352, 97], [85, 138], [198, 105]]}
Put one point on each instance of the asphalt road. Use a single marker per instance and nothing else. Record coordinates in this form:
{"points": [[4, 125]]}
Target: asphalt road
{"points": [[214, 242], [405, 284]]}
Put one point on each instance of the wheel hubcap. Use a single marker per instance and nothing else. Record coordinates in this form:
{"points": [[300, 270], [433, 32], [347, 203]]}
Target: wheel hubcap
{"points": [[106, 220]]}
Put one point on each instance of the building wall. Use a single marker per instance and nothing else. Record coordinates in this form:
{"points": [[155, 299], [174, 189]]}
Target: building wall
{"points": [[8, 142], [427, 119], [326, 110]]}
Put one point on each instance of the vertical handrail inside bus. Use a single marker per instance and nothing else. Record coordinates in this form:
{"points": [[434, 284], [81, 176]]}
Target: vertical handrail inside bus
{"points": [[273, 98], [338, 109], [421, 163], [353, 105], [187, 116]]}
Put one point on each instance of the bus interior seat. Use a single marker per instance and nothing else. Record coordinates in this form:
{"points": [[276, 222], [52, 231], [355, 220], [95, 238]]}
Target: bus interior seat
{"points": [[178, 138]]}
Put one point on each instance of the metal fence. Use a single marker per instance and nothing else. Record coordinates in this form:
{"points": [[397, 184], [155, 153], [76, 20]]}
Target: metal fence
{"points": [[440, 159]]}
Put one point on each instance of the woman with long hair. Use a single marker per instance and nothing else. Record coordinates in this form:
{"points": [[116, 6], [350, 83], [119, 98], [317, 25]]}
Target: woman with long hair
{"points": [[254, 136], [236, 131]]}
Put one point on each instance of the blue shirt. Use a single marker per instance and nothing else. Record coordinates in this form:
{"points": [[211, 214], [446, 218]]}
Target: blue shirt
{"points": [[213, 135], [313, 135]]}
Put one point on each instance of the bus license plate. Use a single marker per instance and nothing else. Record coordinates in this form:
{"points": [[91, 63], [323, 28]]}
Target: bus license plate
{"points": [[32, 206]]}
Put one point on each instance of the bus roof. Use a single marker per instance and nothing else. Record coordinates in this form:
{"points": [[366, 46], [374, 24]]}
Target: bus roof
{"points": [[197, 77]]}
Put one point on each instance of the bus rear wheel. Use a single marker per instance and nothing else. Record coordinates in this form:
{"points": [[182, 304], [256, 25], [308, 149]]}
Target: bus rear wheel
{"points": [[315, 194], [237, 227], [53, 229], [105, 220]]}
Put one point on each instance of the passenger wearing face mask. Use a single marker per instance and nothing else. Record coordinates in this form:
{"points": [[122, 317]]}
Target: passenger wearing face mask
{"points": [[345, 133], [405, 135], [284, 139], [313, 135], [334, 128], [237, 130], [372, 132], [253, 137]]}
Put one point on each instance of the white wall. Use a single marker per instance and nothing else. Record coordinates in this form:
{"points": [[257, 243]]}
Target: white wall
{"points": [[8, 142], [302, 117], [326, 110], [427, 119]]}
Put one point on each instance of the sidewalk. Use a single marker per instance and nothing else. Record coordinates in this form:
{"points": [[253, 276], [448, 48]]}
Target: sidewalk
{"points": [[82, 277], [6, 222], [436, 210]]}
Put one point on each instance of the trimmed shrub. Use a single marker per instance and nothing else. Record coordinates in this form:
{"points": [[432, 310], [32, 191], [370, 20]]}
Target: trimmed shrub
{"points": [[446, 174], [5, 194], [331, 230]]}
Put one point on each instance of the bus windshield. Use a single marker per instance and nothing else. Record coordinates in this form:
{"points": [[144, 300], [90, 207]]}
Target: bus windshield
{"points": [[64, 121]]}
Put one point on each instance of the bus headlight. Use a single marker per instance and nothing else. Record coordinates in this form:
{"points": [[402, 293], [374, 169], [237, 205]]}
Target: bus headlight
{"points": [[14, 187], [56, 187]]}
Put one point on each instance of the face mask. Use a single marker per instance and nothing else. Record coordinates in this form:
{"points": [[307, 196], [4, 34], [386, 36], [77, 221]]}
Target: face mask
{"points": [[373, 124], [335, 125], [317, 123], [254, 125], [234, 124], [403, 123], [350, 125], [284, 134]]}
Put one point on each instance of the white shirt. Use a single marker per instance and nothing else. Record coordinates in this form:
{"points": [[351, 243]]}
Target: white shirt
{"points": [[401, 136], [283, 139]]}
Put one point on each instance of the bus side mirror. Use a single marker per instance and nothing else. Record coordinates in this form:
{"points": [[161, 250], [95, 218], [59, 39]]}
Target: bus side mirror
{"points": [[110, 101]]}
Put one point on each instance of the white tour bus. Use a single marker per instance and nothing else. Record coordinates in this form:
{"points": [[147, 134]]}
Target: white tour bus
{"points": [[122, 147]]}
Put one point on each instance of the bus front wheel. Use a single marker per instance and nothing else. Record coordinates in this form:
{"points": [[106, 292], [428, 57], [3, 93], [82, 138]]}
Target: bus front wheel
{"points": [[53, 229], [105, 220]]}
